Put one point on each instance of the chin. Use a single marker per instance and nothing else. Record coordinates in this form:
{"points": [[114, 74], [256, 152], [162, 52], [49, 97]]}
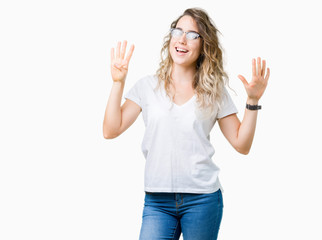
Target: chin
{"points": [[183, 62]]}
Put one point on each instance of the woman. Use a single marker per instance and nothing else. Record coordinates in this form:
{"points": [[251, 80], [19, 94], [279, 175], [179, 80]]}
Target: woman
{"points": [[180, 105]]}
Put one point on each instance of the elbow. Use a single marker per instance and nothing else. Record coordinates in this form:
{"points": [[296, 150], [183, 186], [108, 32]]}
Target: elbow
{"points": [[106, 136], [243, 151], [109, 134]]}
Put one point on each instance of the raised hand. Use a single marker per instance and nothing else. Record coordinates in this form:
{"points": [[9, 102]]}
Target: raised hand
{"points": [[257, 86], [120, 64]]}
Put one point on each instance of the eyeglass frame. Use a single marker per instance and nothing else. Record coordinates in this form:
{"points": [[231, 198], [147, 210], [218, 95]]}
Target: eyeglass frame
{"points": [[199, 36]]}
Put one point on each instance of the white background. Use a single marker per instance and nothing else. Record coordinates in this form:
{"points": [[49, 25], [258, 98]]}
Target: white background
{"points": [[60, 179]]}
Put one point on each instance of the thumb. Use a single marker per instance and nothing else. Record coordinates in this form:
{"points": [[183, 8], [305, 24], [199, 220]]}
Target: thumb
{"points": [[243, 80]]}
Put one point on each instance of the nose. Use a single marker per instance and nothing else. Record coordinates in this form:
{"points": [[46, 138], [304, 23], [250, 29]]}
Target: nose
{"points": [[183, 39]]}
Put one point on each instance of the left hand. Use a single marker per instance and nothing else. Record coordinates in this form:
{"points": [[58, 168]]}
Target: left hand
{"points": [[257, 86]]}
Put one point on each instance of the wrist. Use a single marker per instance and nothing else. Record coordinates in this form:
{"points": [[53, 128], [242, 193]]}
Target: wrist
{"points": [[252, 101], [121, 83]]}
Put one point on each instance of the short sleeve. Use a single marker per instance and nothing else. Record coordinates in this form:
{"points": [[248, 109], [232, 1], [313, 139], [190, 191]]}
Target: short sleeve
{"points": [[135, 93], [228, 107]]}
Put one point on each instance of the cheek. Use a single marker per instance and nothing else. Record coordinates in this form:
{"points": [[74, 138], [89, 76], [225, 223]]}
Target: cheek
{"points": [[171, 45], [196, 51], [171, 48]]}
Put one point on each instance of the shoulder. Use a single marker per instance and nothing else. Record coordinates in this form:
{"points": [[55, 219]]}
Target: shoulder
{"points": [[151, 78], [225, 94], [147, 81]]}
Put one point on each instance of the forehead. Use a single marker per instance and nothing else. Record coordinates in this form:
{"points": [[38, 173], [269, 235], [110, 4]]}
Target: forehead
{"points": [[187, 23]]}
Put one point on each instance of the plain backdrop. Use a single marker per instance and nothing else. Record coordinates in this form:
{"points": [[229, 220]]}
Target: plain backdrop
{"points": [[59, 177]]}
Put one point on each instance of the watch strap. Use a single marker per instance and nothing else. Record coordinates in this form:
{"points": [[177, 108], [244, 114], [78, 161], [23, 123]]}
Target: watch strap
{"points": [[253, 107]]}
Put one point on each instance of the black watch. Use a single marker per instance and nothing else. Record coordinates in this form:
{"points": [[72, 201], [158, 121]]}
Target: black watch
{"points": [[253, 107]]}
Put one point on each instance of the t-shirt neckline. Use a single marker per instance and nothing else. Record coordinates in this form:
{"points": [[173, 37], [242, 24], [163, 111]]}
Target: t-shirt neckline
{"points": [[186, 103], [176, 105]]}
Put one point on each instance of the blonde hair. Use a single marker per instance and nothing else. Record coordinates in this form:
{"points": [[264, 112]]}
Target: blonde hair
{"points": [[210, 77]]}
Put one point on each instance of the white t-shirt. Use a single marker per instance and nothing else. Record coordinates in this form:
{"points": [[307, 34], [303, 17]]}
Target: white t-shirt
{"points": [[176, 142]]}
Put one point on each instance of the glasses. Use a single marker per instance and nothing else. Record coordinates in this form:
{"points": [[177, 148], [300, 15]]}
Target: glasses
{"points": [[177, 33]]}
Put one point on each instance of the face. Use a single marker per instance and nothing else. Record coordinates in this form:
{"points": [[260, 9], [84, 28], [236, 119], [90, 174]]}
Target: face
{"points": [[191, 48]]}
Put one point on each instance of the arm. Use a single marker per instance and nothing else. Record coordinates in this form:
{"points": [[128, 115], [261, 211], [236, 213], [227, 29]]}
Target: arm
{"points": [[117, 119], [241, 134]]}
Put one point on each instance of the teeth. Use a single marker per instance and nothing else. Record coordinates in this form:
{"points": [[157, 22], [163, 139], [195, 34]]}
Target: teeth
{"points": [[181, 50]]}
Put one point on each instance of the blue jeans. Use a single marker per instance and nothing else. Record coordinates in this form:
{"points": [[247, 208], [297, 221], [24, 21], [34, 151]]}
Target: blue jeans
{"points": [[166, 215]]}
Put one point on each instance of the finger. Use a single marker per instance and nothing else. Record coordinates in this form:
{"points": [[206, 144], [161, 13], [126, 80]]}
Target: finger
{"points": [[254, 66], [118, 50], [264, 66], [123, 49], [267, 75], [243, 80], [129, 54], [259, 67], [112, 54]]}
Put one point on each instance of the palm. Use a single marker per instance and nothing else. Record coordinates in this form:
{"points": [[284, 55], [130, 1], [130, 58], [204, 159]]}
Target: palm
{"points": [[255, 89], [120, 64]]}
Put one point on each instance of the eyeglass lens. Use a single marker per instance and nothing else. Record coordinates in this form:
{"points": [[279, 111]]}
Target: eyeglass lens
{"points": [[189, 35]]}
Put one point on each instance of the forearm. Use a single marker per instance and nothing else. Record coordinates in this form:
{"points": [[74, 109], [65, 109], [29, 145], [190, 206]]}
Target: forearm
{"points": [[247, 127], [113, 115]]}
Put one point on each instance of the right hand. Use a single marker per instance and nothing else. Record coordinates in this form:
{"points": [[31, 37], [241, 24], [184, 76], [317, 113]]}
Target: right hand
{"points": [[119, 64]]}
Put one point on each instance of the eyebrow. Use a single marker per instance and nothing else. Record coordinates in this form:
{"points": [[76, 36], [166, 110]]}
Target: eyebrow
{"points": [[188, 30]]}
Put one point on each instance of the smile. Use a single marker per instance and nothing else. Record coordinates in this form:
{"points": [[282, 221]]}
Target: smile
{"points": [[181, 50]]}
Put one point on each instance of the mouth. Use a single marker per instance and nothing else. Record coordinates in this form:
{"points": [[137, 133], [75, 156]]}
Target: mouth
{"points": [[181, 50]]}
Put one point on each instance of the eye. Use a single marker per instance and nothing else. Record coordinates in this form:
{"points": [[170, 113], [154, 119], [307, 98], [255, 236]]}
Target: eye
{"points": [[192, 35], [175, 32]]}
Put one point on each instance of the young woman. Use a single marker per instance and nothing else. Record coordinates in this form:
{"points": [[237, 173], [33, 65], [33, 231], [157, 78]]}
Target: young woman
{"points": [[180, 105]]}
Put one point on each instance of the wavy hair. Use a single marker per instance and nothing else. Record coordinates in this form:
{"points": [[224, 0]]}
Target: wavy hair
{"points": [[210, 77]]}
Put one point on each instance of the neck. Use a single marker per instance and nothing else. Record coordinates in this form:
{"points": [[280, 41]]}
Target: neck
{"points": [[183, 74]]}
